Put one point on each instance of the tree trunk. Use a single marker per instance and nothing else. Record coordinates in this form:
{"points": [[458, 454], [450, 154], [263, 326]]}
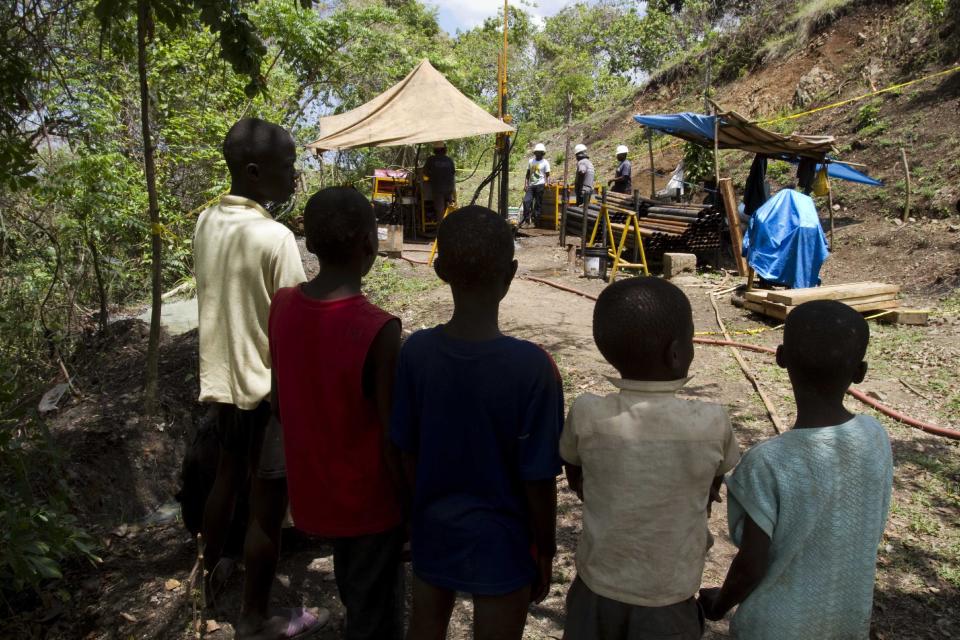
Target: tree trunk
{"points": [[101, 285], [150, 172]]}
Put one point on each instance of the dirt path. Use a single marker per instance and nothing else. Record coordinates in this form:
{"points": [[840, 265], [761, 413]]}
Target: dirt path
{"points": [[915, 589]]}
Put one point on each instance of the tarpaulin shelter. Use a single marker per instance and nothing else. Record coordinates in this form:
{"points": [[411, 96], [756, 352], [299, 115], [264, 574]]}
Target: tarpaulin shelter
{"points": [[423, 107], [785, 243], [737, 132]]}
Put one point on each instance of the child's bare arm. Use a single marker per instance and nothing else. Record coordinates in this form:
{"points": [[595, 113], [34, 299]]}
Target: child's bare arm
{"points": [[382, 358], [574, 478], [542, 504], [714, 494], [746, 572]]}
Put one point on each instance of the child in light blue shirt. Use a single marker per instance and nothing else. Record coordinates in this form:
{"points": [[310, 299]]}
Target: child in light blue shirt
{"points": [[808, 507]]}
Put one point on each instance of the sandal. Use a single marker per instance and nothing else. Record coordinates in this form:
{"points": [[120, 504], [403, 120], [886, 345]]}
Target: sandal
{"points": [[293, 624]]}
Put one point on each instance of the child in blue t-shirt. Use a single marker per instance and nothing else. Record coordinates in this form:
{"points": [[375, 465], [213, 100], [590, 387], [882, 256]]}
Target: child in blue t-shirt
{"points": [[478, 416]]}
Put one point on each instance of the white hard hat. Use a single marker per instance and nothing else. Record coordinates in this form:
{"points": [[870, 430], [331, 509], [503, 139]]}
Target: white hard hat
{"points": [[539, 147], [439, 144], [580, 148], [622, 149]]}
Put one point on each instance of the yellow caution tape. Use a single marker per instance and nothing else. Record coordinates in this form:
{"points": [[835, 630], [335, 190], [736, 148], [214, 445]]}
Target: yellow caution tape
{"points": [[743, 332], [159, 229], [893, 87]]}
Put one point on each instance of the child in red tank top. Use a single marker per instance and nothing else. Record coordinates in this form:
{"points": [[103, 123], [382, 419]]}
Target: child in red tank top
{"points": [[334, 356]]}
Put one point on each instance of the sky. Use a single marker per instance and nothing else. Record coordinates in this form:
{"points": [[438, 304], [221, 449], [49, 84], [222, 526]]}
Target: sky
{"points": [[466, 14]]}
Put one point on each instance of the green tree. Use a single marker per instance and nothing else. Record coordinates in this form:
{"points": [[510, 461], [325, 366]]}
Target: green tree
{"points": [[240, 45]]}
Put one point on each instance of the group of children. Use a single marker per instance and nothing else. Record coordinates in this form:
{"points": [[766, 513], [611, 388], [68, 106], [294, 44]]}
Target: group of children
{"points": [[454, 440]]}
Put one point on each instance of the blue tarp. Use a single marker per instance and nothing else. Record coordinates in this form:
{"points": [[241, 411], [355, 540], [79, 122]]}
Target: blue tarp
{"points": [[692, 124], [848, 173], [842, 171], [785, 243]]}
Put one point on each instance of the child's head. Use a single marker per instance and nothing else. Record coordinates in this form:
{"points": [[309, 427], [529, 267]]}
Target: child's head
{"points": [[261, 157], [475, 252], [644, 327], [341, 228], [824, 343]]}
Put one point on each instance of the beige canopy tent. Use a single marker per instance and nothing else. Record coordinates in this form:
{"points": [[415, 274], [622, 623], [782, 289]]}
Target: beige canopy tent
{"points": [[422, 107]]}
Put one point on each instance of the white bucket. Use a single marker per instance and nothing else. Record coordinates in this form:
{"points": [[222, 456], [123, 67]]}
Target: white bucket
{"points": [[592, 266]]}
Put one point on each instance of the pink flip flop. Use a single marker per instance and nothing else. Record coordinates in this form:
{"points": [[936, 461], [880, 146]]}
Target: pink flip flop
{"points": [[303, 623], [296, 623]]}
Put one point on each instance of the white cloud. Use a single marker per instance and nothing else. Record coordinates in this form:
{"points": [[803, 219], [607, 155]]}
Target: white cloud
{"points": [[465, 14]]}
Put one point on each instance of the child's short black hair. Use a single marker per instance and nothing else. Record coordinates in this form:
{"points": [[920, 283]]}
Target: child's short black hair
{"points": [[475, 247], [636, 319], [825, 341], [335, 221], [253, 140]]}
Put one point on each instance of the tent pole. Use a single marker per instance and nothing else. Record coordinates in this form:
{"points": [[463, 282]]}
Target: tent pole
{"points": [[496, 146], [566, 168], [653, 175], [716, 151], [505, 138]]}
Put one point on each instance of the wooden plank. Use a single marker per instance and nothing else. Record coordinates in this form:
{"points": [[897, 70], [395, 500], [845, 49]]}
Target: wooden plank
{"points": [[794, 297], [880, 297], [733, 221], [770, 295], [756, 307], [756, 295], [919, 317], [776, 311], [780, 311]]}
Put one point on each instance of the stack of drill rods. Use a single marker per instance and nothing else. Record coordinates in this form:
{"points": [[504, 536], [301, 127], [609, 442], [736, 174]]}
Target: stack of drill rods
{"points": [[700, 235]]}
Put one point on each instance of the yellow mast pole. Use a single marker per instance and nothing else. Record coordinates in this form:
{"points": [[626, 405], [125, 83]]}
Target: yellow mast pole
{"points": [[503, 140]]}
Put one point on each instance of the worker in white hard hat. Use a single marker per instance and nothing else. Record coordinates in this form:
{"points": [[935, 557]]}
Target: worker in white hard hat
{"points": [[622, 181], [440, 171], [583, 185], [538, 170]]}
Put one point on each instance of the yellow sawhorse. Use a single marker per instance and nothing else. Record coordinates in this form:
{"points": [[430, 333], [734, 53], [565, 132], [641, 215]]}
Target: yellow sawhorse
{"points": [[631, 224]]}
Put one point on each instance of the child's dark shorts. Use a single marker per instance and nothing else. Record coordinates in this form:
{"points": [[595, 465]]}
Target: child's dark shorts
{"points": [[246, 433], [594, 617]]}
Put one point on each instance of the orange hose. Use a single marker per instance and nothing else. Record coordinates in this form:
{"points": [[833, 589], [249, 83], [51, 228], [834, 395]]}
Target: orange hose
{"points": [[859, 395]]}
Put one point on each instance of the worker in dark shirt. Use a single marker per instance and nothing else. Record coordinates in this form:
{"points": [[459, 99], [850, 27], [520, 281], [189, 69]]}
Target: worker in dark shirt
{"points": [[583, 185], [440, 170], [622, 181]]}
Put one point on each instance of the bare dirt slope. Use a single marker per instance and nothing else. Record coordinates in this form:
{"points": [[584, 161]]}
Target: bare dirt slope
{"points": [[869, 47]]}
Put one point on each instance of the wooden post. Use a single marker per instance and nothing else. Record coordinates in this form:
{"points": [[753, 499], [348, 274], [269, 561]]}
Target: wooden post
{"points": [[733, 221], [653, 183], [563, 213], [583, 230], [906, 175], [566, 168], [716, 149]]}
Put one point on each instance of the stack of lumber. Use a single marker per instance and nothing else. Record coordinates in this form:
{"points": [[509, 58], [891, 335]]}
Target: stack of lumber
{"points": [[665, 227], [862, 296]]}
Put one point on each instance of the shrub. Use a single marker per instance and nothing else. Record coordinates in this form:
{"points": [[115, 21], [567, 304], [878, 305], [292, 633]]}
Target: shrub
{"points": [[38, 534]]}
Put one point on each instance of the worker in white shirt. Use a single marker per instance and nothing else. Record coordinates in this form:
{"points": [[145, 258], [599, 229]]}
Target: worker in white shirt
{"points": [[538, 170]]}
